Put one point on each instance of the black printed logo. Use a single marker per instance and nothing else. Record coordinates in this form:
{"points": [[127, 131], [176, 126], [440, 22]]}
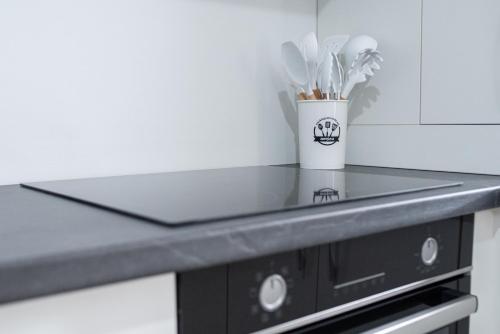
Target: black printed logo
{"points": [[327, 131], [326, 195]]}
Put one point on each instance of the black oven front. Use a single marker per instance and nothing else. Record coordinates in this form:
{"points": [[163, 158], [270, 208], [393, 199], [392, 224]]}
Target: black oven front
{"points": [[443, 308], [410, 280]]}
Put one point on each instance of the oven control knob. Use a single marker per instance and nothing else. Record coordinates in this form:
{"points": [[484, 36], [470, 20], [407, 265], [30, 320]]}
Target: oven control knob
{"points": [[272, 293], [429, 251]]}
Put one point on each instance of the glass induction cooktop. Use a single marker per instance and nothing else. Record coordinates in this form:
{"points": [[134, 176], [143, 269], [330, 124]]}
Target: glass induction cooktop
{"points": [[201, 196]]}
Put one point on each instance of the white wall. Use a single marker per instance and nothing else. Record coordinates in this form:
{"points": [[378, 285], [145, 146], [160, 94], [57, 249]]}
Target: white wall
{"points": [[106, 87], [413, 98], [393, 95]]}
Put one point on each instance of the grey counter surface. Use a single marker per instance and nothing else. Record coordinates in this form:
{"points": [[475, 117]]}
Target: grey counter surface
{"points": [[50, 245]]}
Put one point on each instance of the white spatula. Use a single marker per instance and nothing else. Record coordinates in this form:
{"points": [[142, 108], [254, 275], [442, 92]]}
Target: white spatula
{"points": [[310, 45], [296, 67]]}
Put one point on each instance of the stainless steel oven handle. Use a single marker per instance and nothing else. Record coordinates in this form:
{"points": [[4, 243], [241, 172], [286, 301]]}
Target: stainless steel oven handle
{"points": [[431, 319]]}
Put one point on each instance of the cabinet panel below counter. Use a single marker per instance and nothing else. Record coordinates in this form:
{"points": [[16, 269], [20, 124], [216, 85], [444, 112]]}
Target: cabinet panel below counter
{"points": [[486, 272], [141, 306]]}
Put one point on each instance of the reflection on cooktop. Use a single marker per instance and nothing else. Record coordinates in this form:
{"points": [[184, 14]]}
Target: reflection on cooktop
{"points": [[207, 195]]}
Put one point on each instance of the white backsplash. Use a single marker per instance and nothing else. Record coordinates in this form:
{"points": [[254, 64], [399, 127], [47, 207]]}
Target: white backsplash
{"points": [[95, 88]]}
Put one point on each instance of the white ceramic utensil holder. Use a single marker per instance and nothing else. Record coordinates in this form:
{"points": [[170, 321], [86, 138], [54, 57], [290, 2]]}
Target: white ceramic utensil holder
{"points": [[322, 133]]}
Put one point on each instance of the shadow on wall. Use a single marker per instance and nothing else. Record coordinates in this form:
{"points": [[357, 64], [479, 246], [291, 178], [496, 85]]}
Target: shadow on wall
{"points": [[363, 97], [282, 119], [288, 107]]}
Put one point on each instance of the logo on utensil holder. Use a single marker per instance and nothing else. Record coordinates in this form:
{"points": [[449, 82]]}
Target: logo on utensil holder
{"points": [[326, 195], [327, 131]]}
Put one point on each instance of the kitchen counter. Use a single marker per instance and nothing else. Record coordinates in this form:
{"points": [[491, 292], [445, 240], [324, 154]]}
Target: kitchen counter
{"points": [[50, 244]]}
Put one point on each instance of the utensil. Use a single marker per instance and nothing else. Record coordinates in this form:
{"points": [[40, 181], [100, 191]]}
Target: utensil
{"points": [[333, 44], [337, 78], [325, 76], [296, 67], [370, 57], [310, 51], [356, 45], [299, 91], [341, 65], [355, 76], [362, 68]]}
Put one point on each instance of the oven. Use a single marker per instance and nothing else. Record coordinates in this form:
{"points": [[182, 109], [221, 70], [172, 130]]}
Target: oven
{"points": [[410, 280], [438, 309]]}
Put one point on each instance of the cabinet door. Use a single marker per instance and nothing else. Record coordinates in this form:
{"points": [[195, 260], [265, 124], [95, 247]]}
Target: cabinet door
{"points": [[140, 306], [461, 62], [486, 273], [393, 96]]}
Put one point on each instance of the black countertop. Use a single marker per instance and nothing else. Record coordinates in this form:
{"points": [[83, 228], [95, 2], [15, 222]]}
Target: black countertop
{"points": [[50, 244]]}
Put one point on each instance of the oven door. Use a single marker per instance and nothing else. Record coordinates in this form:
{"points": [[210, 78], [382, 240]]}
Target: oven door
{"points": [[439, 310]]}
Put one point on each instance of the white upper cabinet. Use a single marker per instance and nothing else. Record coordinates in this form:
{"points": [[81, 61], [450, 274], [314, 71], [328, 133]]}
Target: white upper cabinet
{"points": [[461, 62], [393, 96]]}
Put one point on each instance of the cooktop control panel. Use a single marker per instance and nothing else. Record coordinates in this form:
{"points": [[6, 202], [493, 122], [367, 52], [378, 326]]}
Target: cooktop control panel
{"points": [[252, 295]]}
